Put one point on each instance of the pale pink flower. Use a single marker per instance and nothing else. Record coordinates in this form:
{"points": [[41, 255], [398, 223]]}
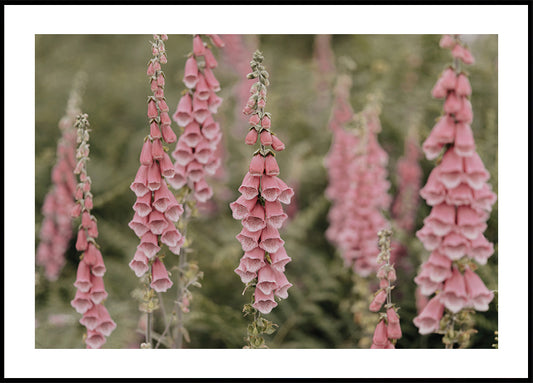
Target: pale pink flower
{"points": [[428, 320], [453, 295], [479, 296], [160, 280]]}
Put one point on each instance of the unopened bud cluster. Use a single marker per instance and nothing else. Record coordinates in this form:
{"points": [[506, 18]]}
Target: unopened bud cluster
{"points": [[388, 329], [259, 206], [89, 283]]}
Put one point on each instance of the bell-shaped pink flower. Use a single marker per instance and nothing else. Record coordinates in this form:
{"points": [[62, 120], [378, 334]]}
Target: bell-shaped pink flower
{"points": [[378, 301], [464, 140], [251, 137], [149, 245], [160, 280], [274, 214], [139, 185], [95, 339], [266, 138], [454, 246], [190, 77], [250, 186], [210, 128], [434, 191], [199, 109], [242, 207], [139, 224], [210, 60], [429, 239], [245, 274], [484, 198], [167, 168], [255, 220], [449, 79], [90, 318], [183, 153], [481, 249], [211, 80], [438, 90], [155, 132], [202, 89], [475, 173], [171, 236], [279, 259], [469, 222], [105, 324], [195, 171], [81, 302], [97, 293], [271, 166], [266, 279], [462, 88], [465, 114], [139, 263], [257, 165], [282, 284], [146, 153], [168, 134], [202, 191], [198, 47], [424, 281], [441, 220], [394, 330], [286, 192], [214, 102], [203, 152], [277, 144], [157, 222], [380, 337], [452, 103], [428, 320], [439, 267], [154, 177], [83, 277], [270, 188], [460, 195], [143, 205], [254, 259], [152, 109], [479, 296], [249, 240], [270, 239], [453, 296], [264, 303], [81, 242], [451, 169], [183, 115]]}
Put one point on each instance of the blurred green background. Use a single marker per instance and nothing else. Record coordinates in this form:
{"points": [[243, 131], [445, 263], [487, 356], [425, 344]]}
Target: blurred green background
{"points": [[318, 312]]}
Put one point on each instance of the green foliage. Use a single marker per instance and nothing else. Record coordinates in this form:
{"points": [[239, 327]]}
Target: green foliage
{"points": [[320, 311]]}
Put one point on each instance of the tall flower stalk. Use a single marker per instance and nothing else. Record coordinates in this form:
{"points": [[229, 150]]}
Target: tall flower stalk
{"points": [[198, 153], [358, 210], [388, 329], [461, 200], [56, 229], [259, 208], [91, 292], [156, 208]]}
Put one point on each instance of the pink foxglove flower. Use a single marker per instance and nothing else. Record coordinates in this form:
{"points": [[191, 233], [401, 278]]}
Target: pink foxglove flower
{"points": [[198, 150], [89, 282], [358, 189], [259, 208], [156, 208], [59, 206], [461, 201]]}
